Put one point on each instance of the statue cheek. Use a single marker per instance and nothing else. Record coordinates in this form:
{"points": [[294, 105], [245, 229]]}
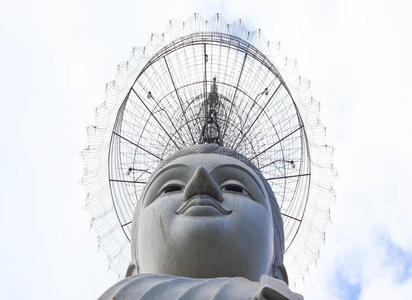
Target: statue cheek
{"points": [[155, 220], [255, 220]]}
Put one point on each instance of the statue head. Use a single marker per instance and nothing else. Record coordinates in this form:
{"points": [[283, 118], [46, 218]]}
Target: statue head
{"points": [[207, 211]]}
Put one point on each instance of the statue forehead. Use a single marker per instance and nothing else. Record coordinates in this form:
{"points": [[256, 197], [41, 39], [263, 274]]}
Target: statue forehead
{"points": [[209, 161]]}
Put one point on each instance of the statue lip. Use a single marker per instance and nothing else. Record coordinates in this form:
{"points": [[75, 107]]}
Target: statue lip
{"points": [[202, 200]]}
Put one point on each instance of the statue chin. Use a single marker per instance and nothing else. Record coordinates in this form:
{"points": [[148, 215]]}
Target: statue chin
{"points": [[205, 249]]}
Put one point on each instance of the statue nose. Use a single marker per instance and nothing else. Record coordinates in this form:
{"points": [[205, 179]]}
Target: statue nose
{"points": [[202, 183]]}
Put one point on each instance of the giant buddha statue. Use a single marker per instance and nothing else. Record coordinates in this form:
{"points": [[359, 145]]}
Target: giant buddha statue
{"points": [[199, 167]]}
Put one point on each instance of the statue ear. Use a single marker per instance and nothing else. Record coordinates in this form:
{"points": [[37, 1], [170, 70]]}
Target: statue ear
{"points": [[279, 272], [131, 270]]}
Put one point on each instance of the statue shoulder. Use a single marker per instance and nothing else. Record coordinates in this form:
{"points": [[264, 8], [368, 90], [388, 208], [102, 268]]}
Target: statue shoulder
{"points": [[158, 286], [272, 288], [112, 291]]}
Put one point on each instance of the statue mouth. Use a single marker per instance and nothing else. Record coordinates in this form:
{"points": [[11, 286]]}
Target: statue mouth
{"points": [[203, 205]]}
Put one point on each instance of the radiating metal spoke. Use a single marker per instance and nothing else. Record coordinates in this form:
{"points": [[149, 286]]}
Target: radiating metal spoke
{"points": [[205, 74], [290, 176], [180, 100], [170, 119], [158, 122], [127, 223], [234, 94], [127, 181], [134, 144], [293, 218], [274, 144], [257, 117]]}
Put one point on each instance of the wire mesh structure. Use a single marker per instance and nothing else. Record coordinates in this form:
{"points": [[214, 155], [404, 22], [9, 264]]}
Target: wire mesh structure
{"points": [[206, 81]]}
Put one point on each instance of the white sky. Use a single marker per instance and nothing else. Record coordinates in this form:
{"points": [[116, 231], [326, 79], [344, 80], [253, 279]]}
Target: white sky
{"points": [[55, 59]]}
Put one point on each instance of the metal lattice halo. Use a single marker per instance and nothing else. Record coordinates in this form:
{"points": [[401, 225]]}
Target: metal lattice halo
{"points": [[209, 81]]}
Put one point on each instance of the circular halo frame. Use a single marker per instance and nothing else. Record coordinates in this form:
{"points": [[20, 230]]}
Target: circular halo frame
{"points": [[267, 113]]}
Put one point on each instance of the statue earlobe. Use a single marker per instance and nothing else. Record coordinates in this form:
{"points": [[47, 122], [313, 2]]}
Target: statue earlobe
{"points": [[132, 270]]}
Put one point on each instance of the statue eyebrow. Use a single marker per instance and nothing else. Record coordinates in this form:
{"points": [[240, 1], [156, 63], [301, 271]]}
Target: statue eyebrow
{"points": [[239, 167], [157, 174], [167, 168]]}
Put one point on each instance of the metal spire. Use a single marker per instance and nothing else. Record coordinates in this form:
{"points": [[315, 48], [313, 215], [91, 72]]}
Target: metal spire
{"points": [[211, 129]]}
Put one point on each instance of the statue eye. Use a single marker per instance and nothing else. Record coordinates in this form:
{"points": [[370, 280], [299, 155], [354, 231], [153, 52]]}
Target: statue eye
{"points": [[233, 188], [172, 188]]}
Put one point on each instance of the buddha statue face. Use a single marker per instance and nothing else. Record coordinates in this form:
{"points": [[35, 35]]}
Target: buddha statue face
{"points": [[205, 215]]}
